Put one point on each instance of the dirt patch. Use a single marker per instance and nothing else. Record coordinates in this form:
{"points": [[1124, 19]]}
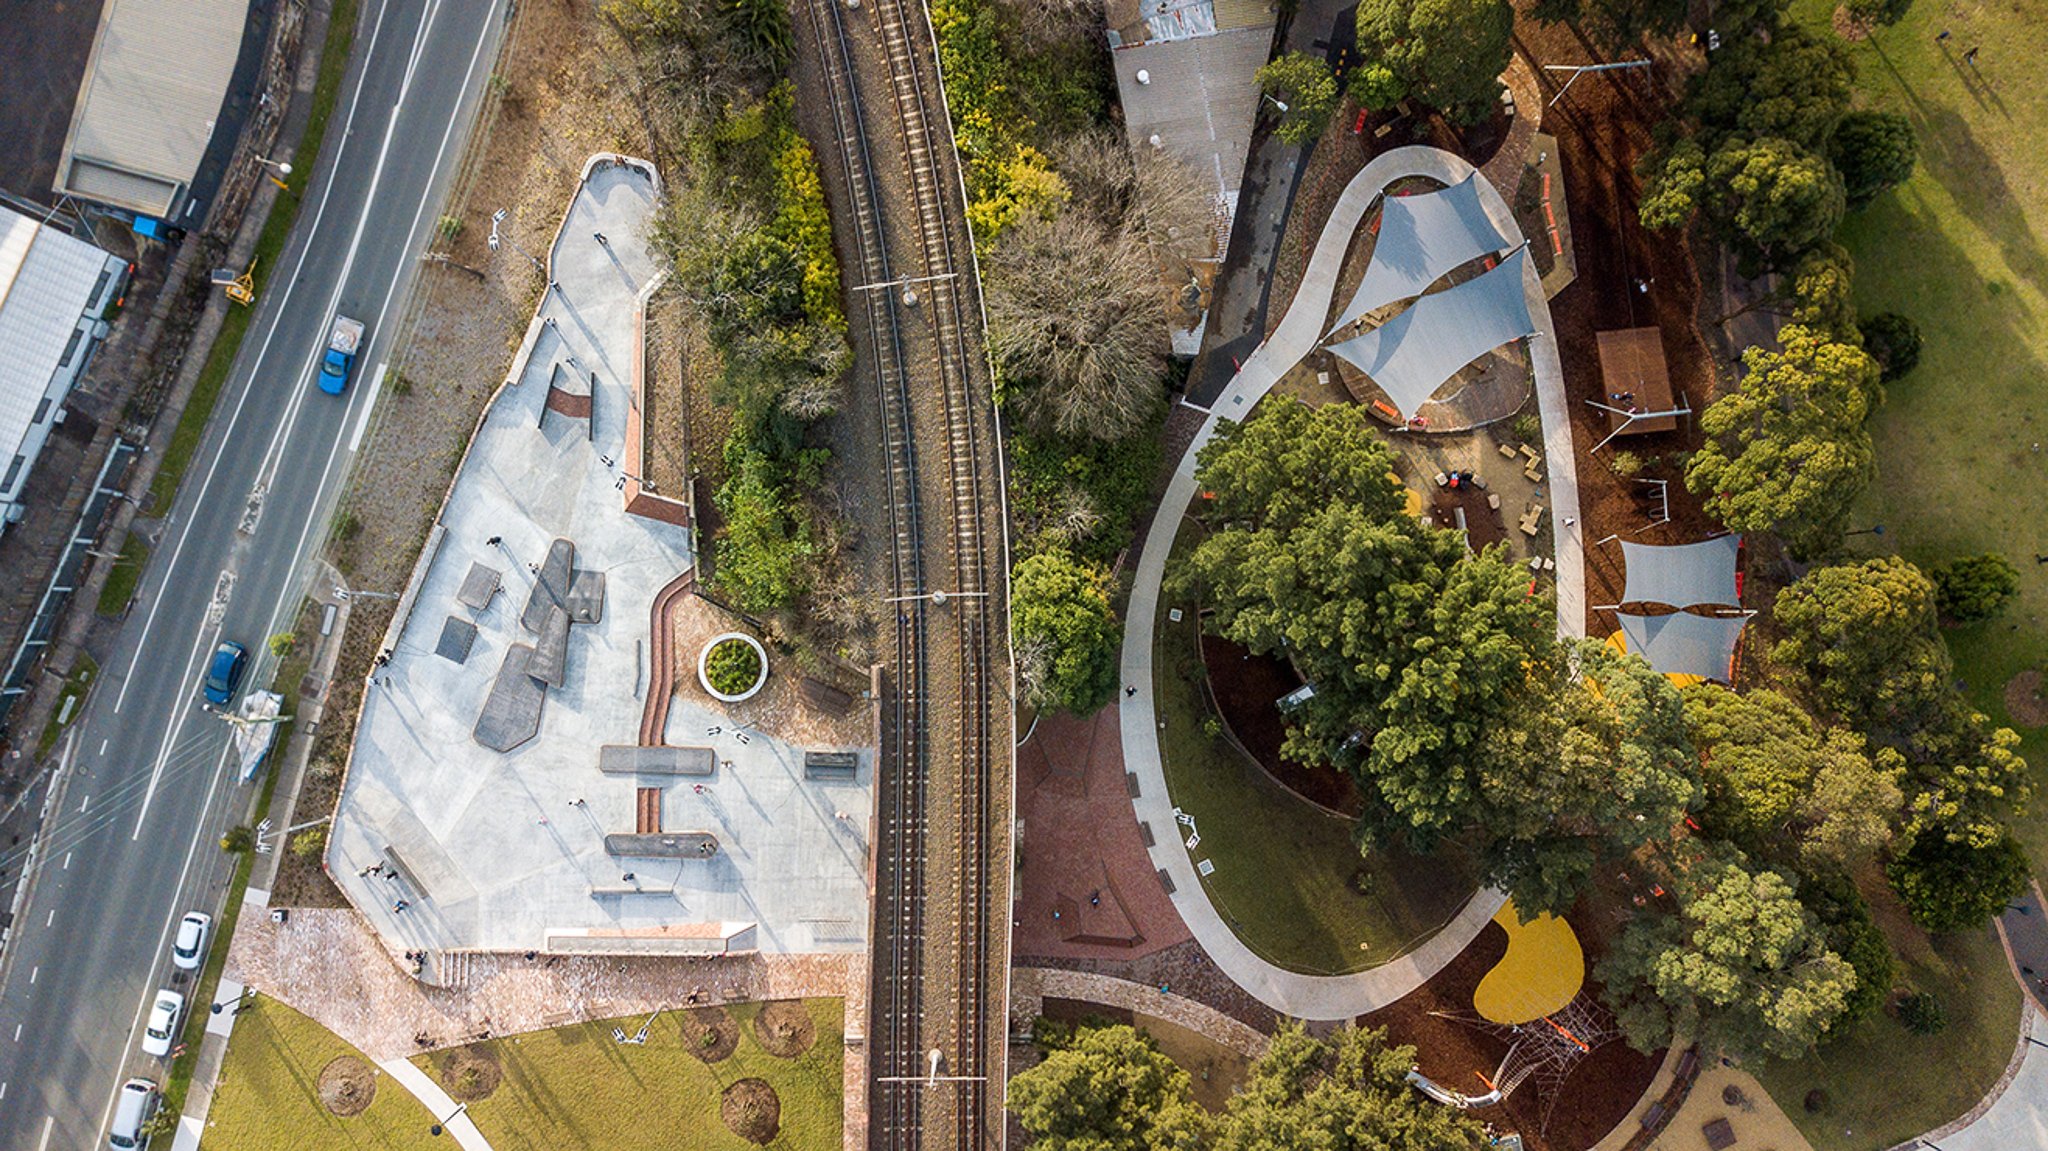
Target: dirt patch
{"points": [[752, 1111], [1246, 689], [709, 1033], [785, 1028], [2023, 700], [347, 1085], [469, 1073]]}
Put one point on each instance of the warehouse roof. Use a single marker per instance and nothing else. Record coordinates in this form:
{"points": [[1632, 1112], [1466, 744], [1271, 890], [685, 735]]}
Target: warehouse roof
{"points": [[49, 279], [152, 92]]}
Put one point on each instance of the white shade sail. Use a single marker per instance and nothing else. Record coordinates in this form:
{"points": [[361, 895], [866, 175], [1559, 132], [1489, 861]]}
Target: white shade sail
{"points": [[1411, 355], [1420, 239]]}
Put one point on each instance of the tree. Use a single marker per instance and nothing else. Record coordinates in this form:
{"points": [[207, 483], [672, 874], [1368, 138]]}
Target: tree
{"points": [[1792, 86], [763, 552], [1864, 637], [1077, 324], [1787, 451], [1955, 887], [1783, 787], [1822, 293], [1061, 617], [1975, 587], [1148, 193], [1349, 1092], [1304, 84], [1878, 13], [1771, 198], [1894, 342], [1873, 151], [1416, 647], [1673, 179], [1852, 934], [1742, 967], [1596, 765], [1110, 1089], [1375, 86], [1449, 53]]}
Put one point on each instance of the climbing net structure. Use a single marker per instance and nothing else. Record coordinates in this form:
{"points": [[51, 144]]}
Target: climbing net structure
{"points": [[1546, 1048]]}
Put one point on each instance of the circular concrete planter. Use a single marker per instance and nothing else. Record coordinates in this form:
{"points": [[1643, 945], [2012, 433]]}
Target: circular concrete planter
{"points": [[704, 663]]}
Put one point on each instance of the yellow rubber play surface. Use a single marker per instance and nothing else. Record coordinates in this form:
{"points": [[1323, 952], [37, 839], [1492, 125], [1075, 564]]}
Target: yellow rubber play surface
{"points": [[1541, 972]]}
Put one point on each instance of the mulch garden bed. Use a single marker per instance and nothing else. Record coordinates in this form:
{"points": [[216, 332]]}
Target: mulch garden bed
{"points": [[2023, 699], [709, 1033], [468, 1073], [1246, 688], [1597, 1094], [347, 1085], [752, 1111], [785, 1029]]}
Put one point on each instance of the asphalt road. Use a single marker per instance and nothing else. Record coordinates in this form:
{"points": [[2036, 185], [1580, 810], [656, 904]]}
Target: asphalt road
{"points": [[130, 843]]}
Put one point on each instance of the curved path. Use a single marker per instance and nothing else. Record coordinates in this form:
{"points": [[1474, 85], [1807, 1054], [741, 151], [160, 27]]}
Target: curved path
{"points": [[1292, 993]]}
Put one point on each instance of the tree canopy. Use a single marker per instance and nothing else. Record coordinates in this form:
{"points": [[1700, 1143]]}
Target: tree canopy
{"points": [[1955, 886], [1793, 86], [1596, 765], [1782, 787], [1064, 631], [1787, 451], [1864, 636], [1348, 1092], [1110, 1089], [1742, 967], [1416, 647], [1874, 151], [1772, 198], [1305, 84], [1893, 341], [1448, 53], [1975, 587]]}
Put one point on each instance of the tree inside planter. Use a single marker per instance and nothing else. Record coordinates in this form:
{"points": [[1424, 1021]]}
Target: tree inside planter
{"points": [[732, 668]]}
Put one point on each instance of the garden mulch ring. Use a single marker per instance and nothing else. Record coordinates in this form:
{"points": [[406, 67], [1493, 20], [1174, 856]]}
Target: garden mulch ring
{"points": [[468, 1073], [1246, 688], [347, 1085], [785, 1029], [709, 1033], [2023, 699], [752, 1111]]}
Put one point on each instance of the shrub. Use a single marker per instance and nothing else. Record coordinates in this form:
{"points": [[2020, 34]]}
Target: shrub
{"points": [[1065, 632], [1922, 1013], [1528, 428], [238, 839], [1894, 342], [310, 843], [732, 667], [1975, 587], [1626, 464], [1955, 887], [283, 644]]}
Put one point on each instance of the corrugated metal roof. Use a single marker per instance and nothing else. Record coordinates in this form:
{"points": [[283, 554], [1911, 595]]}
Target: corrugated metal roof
{"points": [[46, 284], [1200, 98], [152, 92]]}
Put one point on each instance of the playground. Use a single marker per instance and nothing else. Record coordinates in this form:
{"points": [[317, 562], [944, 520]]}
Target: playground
{"points": [[1514, 1031]]}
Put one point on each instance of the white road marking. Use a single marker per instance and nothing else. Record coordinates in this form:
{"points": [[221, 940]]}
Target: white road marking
{"points": [[17, 1033], [3, 1090], [33, 972], [67, 861], [52, 917], [363, 423], [103, 746], [82, 803], [49, 1124]]}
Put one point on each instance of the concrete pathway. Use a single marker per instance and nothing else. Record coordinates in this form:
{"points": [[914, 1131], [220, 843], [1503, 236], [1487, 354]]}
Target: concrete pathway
{"points": [[2015, 1114], [1289, 992], [455, 1118]]}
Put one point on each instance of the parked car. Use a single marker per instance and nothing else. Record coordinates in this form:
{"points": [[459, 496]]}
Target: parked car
{"points": [[161, 1031], [188, 950], [224, 672], [133, 1108]]}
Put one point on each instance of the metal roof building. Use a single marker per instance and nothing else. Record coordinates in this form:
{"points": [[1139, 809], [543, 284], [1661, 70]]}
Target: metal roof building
{"points": [[151, 96], [55, 290]]}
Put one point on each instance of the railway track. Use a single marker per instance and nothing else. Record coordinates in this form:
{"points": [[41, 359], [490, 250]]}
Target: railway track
{"points": [[922, 322]]}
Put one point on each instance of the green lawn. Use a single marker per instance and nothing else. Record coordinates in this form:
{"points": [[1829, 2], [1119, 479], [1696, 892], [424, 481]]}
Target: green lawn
{"points": [[126, 574], [1284, 868], [1887, 1084], [76, 684], [1960, 249], [213, 377], [268, 1093], [575, 1088]]}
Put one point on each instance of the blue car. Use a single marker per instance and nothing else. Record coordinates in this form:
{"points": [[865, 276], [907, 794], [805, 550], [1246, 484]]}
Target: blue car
{"points": [[224, 672]]}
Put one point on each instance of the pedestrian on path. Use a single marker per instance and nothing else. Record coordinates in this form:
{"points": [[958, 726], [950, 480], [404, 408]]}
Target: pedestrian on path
{"points": [[601, 241], [400, 905], [1942, 36], [1970, 58], [1570, 520]]}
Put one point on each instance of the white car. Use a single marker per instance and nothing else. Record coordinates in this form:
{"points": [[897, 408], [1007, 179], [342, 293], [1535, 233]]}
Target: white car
{"points": [[132, 1109], [162, 1029], [188, 950]]}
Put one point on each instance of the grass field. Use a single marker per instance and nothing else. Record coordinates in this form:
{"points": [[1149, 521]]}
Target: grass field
{"points": [[80, 680], [575, 1089], [213, 376], [125, 576], [1285, 869], [1885, 1083], [268, 1093], [1962, 248]]}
